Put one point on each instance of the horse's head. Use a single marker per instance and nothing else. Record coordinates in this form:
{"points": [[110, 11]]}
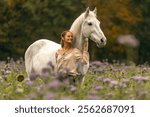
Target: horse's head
{"points": [[91, 28]]}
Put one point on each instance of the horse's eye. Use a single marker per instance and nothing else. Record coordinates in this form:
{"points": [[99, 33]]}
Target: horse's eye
{"points": [[90, 24]]}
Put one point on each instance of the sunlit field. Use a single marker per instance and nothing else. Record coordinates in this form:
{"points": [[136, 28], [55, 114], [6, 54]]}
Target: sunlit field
{"points": [[104, 81]]}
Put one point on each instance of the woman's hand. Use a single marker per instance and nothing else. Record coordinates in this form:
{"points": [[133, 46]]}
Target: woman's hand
{"points": [[85, 45]]}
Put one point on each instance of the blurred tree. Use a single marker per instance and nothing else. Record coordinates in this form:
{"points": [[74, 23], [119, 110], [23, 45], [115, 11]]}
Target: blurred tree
{"points": [[24, 21], [14, 27], [142, 29]]}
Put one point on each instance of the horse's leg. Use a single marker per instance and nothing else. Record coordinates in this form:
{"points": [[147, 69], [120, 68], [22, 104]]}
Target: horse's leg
{"points": [[82, 80]]}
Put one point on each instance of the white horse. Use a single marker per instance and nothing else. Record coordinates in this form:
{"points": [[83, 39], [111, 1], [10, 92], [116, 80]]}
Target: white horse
{"points": [[41, 54]]}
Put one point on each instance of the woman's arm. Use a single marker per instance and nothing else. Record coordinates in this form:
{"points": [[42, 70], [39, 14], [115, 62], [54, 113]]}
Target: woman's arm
{"points": [[85, 45], [85, 51], [83, 57]]}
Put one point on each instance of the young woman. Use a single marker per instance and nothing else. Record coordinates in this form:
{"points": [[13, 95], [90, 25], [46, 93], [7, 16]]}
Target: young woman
{"points": [[69, 59]]}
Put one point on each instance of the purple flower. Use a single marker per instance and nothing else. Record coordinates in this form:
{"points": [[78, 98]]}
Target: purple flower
{"points": [[98, 87], [50, 96], [107, 80], [109, 95], [31, 96], [113, 84], [55, 84], [67, 98], [96, 63], [62, 73], [28, 82], [144, 79], [140, 78], [100, 70], [125, 80], [73, 88], [93, 97]]}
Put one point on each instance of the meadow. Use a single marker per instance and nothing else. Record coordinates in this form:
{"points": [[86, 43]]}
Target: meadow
{"points": [[104, 81]]}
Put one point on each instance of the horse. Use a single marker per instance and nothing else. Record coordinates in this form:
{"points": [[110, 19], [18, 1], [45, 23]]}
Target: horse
{"points": [[41, 54]]}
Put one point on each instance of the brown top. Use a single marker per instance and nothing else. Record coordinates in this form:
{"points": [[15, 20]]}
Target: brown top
{"points": [[72, 61]]}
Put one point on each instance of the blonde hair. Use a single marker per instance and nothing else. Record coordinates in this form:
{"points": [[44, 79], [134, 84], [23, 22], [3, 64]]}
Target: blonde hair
{"points": [[62, 36]]}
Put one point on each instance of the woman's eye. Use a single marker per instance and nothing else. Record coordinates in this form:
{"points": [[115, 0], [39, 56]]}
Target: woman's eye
{"points": [[90, 24]]}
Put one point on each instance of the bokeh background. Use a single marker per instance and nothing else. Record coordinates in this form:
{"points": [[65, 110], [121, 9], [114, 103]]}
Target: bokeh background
{"points": [[125, 23]]}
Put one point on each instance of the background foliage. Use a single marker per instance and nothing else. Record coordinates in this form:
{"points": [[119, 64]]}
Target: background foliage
{"points": [[24, 21]]}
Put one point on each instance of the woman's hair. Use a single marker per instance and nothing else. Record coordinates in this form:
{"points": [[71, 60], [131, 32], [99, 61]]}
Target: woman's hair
{"points": [[62, 36]]}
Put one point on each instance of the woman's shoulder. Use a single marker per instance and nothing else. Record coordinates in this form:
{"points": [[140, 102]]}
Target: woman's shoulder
{"points": [[59, 50]]}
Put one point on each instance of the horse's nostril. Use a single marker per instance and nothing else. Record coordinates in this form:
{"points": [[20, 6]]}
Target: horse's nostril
{"points": [[102, 41]]}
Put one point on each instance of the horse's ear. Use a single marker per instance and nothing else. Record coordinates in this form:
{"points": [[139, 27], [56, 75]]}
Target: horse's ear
{"points": [[95, 11], [87, 12]]}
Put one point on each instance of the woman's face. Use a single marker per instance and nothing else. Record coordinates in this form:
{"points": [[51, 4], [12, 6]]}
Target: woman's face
{"points": [[68, 38]]}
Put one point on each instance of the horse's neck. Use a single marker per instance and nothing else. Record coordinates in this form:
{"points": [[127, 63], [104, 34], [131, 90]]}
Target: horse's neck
{"points": [[76, 29], [79, 42]]}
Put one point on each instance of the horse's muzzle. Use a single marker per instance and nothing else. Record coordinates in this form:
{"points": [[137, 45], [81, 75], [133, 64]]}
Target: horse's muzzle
{"points": [[101, 43]]}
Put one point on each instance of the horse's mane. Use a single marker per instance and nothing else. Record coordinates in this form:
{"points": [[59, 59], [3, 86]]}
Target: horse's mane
{"points": [[76, 25], [76, 30]]}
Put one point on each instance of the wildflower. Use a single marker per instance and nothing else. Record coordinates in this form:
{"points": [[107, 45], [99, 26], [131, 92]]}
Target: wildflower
{"points": [[125, 80], [140, 78], [33, 76], [113, 84], [67, 98], [73, 88], [62, 74], [94, 92], [144, 79], [31, 96], [93, 97], [100, 78], [55, 84], [96, 63], [28, 82], [141, 94], [106, 80], [92, 68], [98, 87], [46, 72], [109, 95], [50, 96], [136, 78], [66, 82], [99, 70], [49, 70]]}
